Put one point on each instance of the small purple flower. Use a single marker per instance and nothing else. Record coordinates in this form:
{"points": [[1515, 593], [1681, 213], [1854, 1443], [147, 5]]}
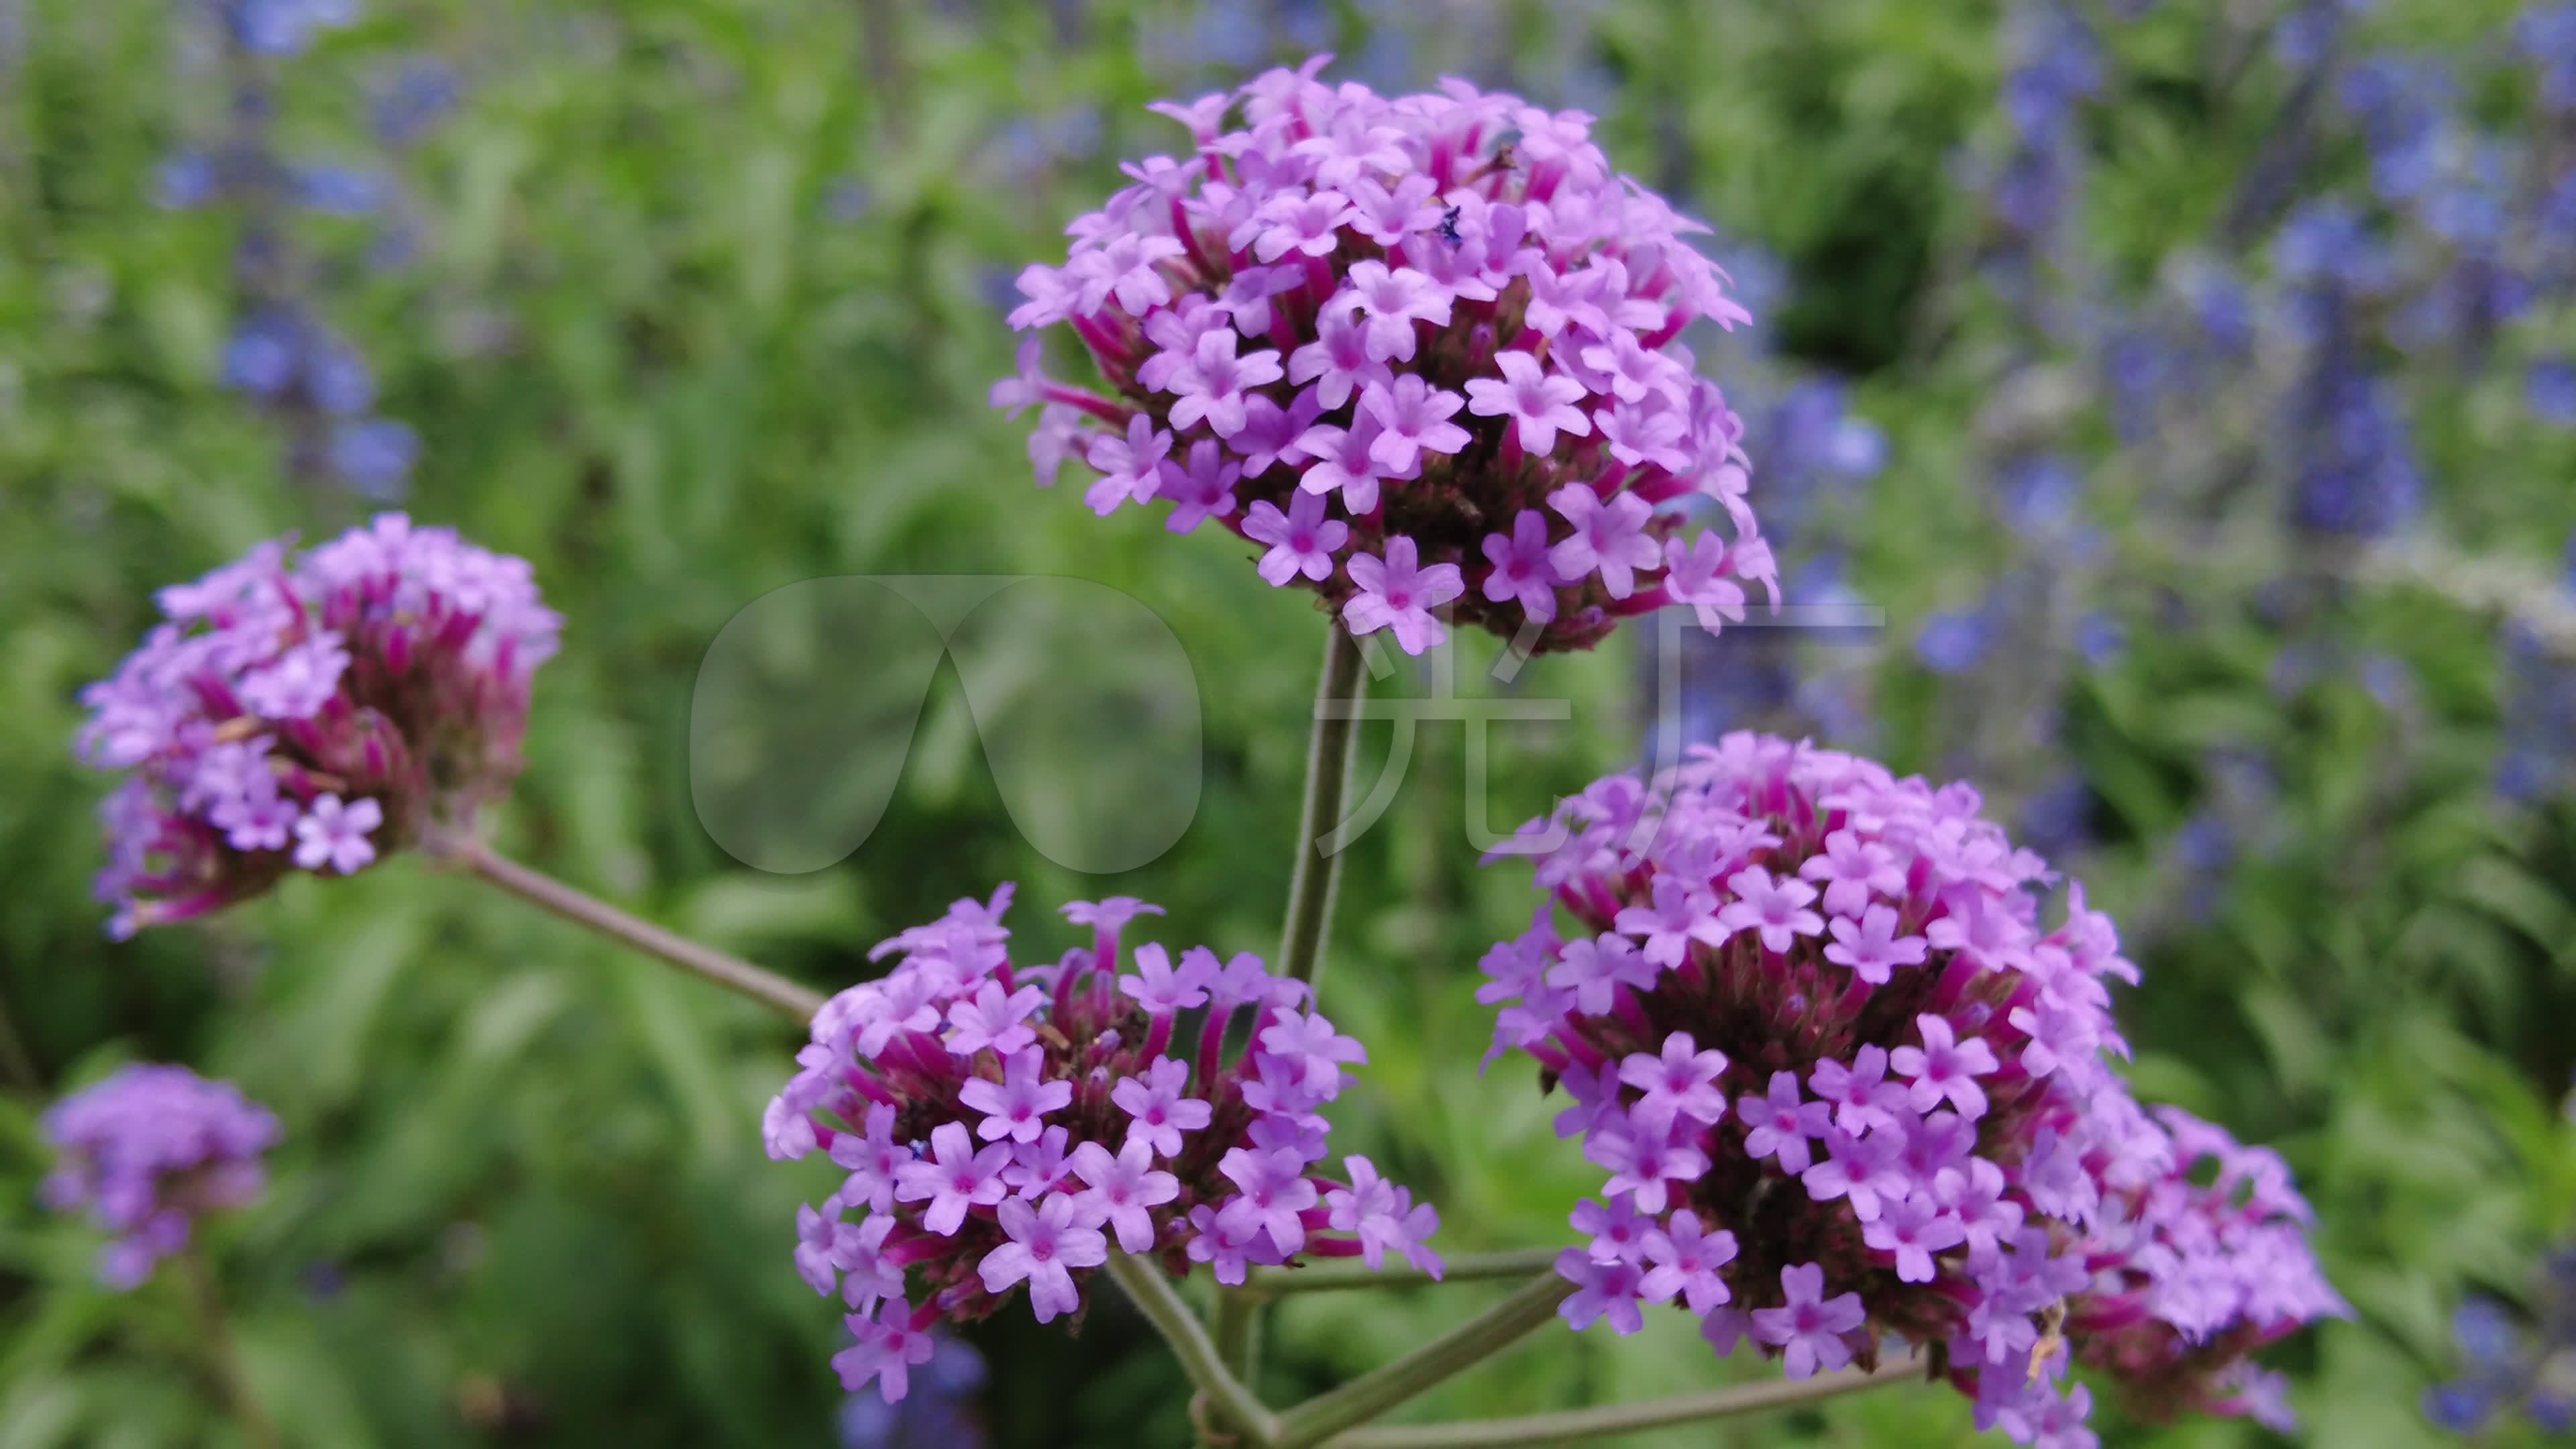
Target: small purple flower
{"points": [[1682, 1082], [1016, 1107], [1161, 1113], [1045, 1245], [953, 1178], [1203, 490], [1396, 593], [1212, 386], [1302, 540], [1412, 420], [887, 1348], [1609, 538], [1391, 302], [993, 1019], [1521, 570], [1595, 969], [1276, 1190], [1861, 1169], [1782, 1123], [1119, 1189], [1914, 1229], [1602, 1290], [1539, 404], [335, 835], [1774, 909], [1871, 947], [1130, 467], [1808, 1329], [1945, 1068], [1383, 1216], [1686, 1261]]}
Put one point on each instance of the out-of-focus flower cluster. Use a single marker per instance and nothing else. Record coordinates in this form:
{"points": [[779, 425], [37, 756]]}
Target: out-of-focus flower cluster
{"points": [[1002, 1123], [938, 1413], [1845, 1087], [1423, 351], [282, 354], [148, 1151], [2511, 1363], [311, 711]]}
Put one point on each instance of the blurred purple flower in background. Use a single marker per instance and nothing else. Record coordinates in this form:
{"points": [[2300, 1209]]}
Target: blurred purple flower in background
{"points": [[147, 1152]]}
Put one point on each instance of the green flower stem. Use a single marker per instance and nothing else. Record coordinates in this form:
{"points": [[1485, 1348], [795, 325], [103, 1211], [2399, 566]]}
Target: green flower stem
{"points": [[1454, 1352], [223, 1355], [1623, 1418], [1328, 773], [1151, 1291], [1238, 1331], [468, 852], [1331, 1276]]}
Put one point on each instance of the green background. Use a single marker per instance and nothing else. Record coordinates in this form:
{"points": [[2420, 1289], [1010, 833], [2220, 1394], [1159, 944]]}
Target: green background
{"points": [[704, 304]]}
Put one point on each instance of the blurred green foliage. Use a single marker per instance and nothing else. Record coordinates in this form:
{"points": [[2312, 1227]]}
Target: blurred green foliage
{"points": [[704, 303]]}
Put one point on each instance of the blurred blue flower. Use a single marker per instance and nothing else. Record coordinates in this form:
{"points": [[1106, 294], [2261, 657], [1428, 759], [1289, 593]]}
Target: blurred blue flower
{"points": [[337, 377], [285, 27], [2484, 1333], [2549, 390], [186, 180], [375, 456], [2204, 844], [415, 96], [261, 357], [2457, 1408], [2547, 37], [2058, 819], [338, 191], [1951, 643], [2100, 638], [2306, 36], [2325, 242], [2038, 494]]}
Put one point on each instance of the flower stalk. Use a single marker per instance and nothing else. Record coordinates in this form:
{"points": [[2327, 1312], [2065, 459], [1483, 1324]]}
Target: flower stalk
{"points": [[223, 1355], [1608, 1419], [1267, 1284], [1461, 1348], [1148, 1288], [1328, 770], [470, 854]]}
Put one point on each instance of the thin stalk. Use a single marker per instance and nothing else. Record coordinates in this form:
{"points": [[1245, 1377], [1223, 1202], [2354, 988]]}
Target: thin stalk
{"points": [[1622, 1418], [1150, 1289], [775, 992], [1454, 1352], [1327, 1277], [15, 1062], [223, 1356], [1238, 1331], [1328, 772]]}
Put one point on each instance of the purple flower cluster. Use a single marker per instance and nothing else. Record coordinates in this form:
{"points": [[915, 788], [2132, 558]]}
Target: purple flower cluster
{"points": [[1441, 315], [1845, 1087], [149, 1150], [2194, 1269], [311, 711], [1001, 1125]]}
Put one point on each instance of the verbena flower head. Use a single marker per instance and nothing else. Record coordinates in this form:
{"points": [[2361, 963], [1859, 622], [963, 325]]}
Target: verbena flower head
{"points": [[1843, 1083], [148, 1151], [1442, 313], [2196, 1267], [311, 711], [1011, 1125]]}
